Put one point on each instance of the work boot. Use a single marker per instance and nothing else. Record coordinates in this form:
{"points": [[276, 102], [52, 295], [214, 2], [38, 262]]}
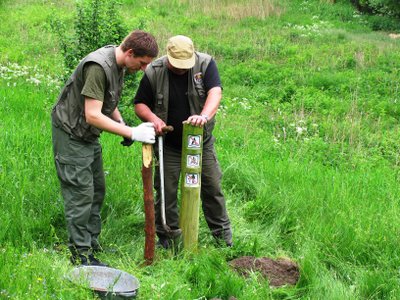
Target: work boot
{"points": [[78, 259], [96, 247], [223, 238], [164, 243], [86, 260], [93, 261], [170, 243], [222, 243]]}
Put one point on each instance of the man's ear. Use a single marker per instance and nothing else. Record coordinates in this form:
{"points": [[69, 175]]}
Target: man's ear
{"points": [[130, 52]]}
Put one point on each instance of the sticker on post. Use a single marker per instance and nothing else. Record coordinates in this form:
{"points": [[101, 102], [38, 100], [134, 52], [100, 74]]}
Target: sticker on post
{"points": [[193, 161], [192, 179], [194, 141]]}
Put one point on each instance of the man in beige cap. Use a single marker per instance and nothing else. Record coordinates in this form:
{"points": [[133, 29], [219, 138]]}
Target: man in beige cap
{"points": [[184, 85]]}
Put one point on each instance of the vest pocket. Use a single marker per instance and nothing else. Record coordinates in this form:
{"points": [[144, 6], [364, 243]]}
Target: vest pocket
{"points": [[160, 110], [160, 99], [200, 91], [85, 131], [65, 91], [110, 103]]}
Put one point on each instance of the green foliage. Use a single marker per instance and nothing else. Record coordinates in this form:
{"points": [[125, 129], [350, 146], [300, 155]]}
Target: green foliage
{"points": [[97, 23], [307, 138], [385, 14], [378, 22], [211, 277], [385, 7]]}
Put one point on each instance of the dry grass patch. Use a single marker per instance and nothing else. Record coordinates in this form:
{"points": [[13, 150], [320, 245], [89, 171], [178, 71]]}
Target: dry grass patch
{"points": [[236, 9]]}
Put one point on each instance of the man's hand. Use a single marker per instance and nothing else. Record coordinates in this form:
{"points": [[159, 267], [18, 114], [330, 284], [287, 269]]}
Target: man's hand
{"points": [[197, 120], [158, 126], [144, 133]]}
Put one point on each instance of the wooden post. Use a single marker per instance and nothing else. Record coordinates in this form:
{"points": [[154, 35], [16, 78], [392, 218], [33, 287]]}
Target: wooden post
{"points": [[192, 146], [147, 177]]}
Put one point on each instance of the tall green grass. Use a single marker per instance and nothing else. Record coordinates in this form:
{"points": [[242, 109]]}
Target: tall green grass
{"points": [[307, 137]]}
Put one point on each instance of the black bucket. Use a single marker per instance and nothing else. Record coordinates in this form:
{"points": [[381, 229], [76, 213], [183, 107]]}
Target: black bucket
{"points": [[108, 283]]}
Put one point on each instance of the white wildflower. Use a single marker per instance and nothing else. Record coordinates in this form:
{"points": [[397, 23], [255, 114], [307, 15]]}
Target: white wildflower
{"points": [[300, 130]]}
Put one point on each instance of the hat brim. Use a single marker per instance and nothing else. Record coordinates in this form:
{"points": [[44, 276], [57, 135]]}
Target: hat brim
{"points": [[182, 63]]}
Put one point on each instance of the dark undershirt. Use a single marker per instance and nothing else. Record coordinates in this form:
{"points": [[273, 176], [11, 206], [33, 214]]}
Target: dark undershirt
{"points": [[178, 106]]}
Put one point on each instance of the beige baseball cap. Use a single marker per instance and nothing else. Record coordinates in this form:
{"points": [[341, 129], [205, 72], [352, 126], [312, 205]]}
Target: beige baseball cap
{"points": [[180, 52]]}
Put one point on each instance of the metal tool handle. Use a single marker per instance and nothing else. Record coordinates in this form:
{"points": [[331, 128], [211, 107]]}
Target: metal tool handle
{"points": [[161, 166], [165, 129]]}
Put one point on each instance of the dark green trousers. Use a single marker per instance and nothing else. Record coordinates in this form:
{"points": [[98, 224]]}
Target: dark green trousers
{"points": [[212, 198], [80, 171]]}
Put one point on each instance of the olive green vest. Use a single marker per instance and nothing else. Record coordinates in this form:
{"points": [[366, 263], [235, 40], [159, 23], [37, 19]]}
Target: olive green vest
{"points": [[69, 112], [157, 73]]}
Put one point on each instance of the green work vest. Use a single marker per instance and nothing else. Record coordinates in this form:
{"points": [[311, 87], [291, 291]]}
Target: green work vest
{"points": [[157, 73], [69, 111]]}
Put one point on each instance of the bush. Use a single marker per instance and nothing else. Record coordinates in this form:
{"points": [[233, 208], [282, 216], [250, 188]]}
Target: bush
{"points": [[383, 23], [384, 7], [97, 23]]}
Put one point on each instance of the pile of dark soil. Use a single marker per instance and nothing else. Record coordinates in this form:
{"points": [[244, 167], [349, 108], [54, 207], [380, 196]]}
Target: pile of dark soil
{"points": [[279, 272]]}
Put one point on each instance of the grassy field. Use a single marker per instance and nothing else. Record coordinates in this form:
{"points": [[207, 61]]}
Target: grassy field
{"points": [[307, 137]]}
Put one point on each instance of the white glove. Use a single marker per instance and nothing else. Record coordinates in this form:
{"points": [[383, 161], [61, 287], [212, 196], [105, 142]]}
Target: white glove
{"points": [[144, 133]]}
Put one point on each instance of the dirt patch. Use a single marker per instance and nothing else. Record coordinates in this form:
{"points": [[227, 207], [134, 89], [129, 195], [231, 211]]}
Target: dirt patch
{"points": [[278, 272]]}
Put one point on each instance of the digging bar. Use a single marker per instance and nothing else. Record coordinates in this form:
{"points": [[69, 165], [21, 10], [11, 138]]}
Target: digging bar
{"points": [[170, 233]]}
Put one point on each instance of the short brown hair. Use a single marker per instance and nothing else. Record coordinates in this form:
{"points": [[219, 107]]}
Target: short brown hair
{"points": [[142, 43]]}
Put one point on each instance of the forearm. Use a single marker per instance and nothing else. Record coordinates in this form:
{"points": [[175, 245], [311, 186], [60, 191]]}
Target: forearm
{"points": [[96, 118], [116, 116], [212, 103], [107, 124], [209, 110], [146, 115]]}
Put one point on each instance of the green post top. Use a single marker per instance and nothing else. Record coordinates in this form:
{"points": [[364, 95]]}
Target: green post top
{"points": [[192, 147]]}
